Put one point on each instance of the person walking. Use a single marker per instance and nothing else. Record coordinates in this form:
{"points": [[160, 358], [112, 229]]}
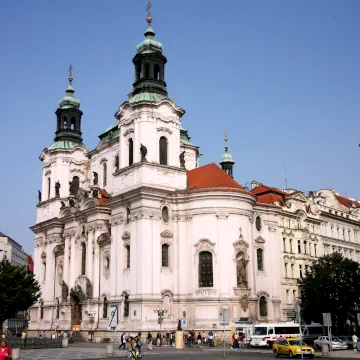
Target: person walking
{"points": [[5, 351], [199, 339], [354, 340], [150, 341], [122, 341], [24, 338]]}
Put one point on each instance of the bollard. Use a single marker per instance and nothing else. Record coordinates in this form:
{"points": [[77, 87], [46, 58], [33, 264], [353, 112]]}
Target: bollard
{"points": [[179, 340], [65, 342], [16, 354], [325, 349], [109, 350]]}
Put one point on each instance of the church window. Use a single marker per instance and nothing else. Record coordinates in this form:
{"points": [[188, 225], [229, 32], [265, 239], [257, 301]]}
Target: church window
{"points": [[315, 250], [260, 263], [49, 187], [263, 306], [41, 309], [75, 184], [286, 270], [126, 305], [258, 223], [105, 308], [44, 270], [72, 123], [163, 150], [131, 152], [127, 256], [146, 70], [165, 214], [104, 174], [165, 255], [83, 258], [156, 71], [205, 269]]}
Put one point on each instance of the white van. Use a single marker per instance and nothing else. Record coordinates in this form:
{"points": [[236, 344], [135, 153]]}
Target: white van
{"points": [[265, 334], [247, 328]]}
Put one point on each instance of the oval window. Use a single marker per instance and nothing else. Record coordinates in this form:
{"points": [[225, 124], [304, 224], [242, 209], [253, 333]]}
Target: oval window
{"points": [[165, 214], [258, 223]]}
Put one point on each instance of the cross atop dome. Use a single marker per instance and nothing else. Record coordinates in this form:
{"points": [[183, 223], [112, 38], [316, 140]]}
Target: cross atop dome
{"points": [[226, 161], [149, 18]]}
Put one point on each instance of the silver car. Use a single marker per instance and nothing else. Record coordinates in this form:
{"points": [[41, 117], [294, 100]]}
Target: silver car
{"points": [[335, 344]]}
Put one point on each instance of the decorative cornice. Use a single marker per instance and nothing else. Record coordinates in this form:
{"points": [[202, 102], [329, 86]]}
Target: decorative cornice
{"points": [[205, 292], [222, 215], [117, 220], [53, 239], [144, 214], [69, 233], [164, 129], [176, 216], [127, 132]]}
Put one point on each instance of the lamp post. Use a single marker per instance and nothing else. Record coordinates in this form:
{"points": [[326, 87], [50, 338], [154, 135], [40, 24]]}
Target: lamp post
{"points": [[160, 313], [91, 320]]}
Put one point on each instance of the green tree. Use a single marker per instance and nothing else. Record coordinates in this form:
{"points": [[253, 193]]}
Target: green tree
{"points": [[332, 285], [18, 290]]}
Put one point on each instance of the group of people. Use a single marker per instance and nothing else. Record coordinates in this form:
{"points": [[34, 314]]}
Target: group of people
{"points": [[238, 340], [135, 344], [191, 338]]}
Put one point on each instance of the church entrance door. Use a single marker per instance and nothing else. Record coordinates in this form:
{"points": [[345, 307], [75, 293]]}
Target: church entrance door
{"points": [[76, 311]]}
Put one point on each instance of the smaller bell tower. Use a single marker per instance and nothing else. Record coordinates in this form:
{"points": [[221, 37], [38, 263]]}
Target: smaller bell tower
{"points": [[226, 162]]}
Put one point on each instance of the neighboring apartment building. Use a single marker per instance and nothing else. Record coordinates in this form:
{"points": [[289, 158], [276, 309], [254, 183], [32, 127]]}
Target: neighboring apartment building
{"points": [[12, 251], [309, 226]]}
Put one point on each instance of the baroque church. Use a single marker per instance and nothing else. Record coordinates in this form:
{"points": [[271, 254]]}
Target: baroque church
{"points": [[138, 224]]}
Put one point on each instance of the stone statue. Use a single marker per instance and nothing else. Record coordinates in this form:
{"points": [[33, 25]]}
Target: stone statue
{"points": [[57, 189], [39, 196], [143, 151], [182, 160], [116, 163], [71, 188], [96, 178], [64, 290], [89, 289], [62, 204], [241, 272]]}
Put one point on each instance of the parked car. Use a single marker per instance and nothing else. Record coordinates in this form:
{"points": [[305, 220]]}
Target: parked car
{"points": [[292, 347], [335, 344], [348, 340]]}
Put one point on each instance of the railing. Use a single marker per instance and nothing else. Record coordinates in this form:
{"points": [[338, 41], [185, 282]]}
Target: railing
{"points": [[35, 343]]}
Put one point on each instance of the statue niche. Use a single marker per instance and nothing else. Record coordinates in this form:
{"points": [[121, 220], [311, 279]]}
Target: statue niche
{"points": [[241, 270]]}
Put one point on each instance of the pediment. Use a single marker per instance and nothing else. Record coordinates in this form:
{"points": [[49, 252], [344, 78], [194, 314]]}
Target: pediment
{"points": [[166, 234], [241, 244], [298, 197], [260, 240], [126, 235]]}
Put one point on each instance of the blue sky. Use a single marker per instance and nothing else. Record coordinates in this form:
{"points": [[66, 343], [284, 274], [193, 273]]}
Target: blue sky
{"points": [[282, 76]]}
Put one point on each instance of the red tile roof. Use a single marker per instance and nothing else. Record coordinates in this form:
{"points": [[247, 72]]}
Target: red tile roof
{"points": [[269, 195], [346, 202], [210, 176], [270, 199], [104, 197], [262, 189]]}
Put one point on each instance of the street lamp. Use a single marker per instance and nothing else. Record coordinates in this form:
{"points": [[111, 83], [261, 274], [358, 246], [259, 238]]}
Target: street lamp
{"points": [[160, 313], [91, 320]]}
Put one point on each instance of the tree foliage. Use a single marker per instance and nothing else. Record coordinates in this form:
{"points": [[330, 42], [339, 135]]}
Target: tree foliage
{"points": [[18, 290], [332, 285]]}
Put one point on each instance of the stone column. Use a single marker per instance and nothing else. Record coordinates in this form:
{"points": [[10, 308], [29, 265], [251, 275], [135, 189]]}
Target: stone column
{"points": [[73, 266], [114, 261], [99, 227], [66, 258], [89, 253]]}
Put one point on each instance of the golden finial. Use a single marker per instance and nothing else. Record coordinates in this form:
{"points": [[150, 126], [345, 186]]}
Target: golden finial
{"points": [[149, 18], [70, 78], [226, 138]]}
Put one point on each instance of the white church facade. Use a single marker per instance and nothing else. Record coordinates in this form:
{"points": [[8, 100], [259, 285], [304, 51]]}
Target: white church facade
{"points": [[139, 224]]}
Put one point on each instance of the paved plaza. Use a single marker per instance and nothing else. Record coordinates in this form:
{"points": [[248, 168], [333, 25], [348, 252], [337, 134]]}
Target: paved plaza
{"points": [[98, 351]]}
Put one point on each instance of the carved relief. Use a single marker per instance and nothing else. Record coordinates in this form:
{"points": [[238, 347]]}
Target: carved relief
{"points": [[164, 129], [60, 271], [117, 220], [176, 216], [128, 131], [222, 215], [166, 234], [205, 292], [106, 262], [244, 302]]}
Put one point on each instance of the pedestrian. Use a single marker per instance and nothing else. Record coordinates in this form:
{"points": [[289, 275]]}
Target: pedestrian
{"points": [[204, 337], [150, 341], [5, 351], [234, 341], [24, 338], [241, 339], [199, 339], [211, 339], [171, 338], [122, 341], [354, 340], [139, 344], [167, 338]]}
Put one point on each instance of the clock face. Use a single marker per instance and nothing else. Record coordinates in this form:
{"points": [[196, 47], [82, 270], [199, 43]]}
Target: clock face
{"points": [[258, 223]]}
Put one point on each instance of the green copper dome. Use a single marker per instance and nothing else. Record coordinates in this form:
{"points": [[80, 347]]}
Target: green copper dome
{"points": [[147, 96], [149, 44], [227, 157], [69, 100], [66, 145]]}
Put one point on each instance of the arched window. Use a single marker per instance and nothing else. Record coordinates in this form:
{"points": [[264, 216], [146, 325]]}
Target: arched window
{"points": [[104, 174], [41, 309], [49, 187], [263, 306], [44, 270], [165, 255], [83, 259], [131, 151], [73, 122], [105, 308], [205, 269], [163, 150], [260, 263], [156, 71], [75, 184], [146, 70], [127, 256], [65, 123]]}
